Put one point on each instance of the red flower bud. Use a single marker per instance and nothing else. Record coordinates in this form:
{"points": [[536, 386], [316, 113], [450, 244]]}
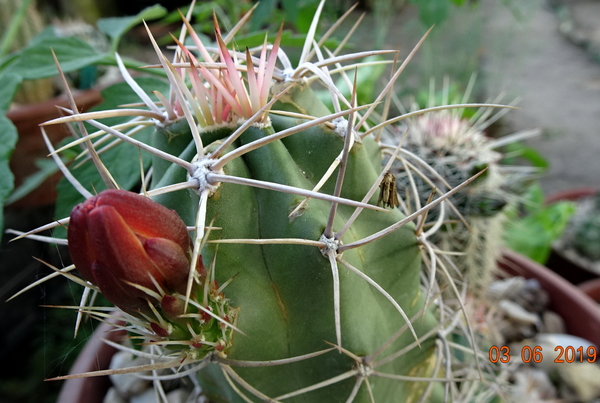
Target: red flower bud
{"points": [[119, 238]]}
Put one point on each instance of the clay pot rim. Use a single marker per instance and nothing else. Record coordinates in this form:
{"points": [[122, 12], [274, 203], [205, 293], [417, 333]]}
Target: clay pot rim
{"points": [[96, 355], [571, 194], [591, 288], [580, 313]]}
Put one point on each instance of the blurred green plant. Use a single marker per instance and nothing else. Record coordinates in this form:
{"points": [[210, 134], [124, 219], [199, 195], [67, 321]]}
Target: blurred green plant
{"points": [[266, 18], [228, 12], [533, 225], [52, 349], [8, 138], [433, 12], [297, 13], [369, 75], [35, 61]]}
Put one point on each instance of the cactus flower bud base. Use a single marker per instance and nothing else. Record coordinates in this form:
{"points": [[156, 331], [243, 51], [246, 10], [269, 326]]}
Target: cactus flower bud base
{"points": [[137, 253]]}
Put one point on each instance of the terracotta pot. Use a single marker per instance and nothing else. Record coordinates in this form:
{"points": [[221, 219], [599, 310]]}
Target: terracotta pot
{"points": [[96, 355], [30, 145], [591, 288], [557, 261], [580, 313], [571, 194]]}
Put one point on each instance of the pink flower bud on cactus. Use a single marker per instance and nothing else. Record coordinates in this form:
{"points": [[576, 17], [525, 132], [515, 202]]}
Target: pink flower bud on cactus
{"points": [[119, 238]]}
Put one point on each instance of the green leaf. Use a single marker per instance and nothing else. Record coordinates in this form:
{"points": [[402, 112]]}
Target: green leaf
{"points": [[527, 153], [123, 161], [533, 199], [432, 12], [533, 234], [305, 17], [37, 62], [47, 33], [291, 8], [262, 14], [174, 17], [10, 84], [8, 139], [116, 27], [7, 60], [12, 30], [288, 39], [121, 93], [366, 82], [47, 168]]}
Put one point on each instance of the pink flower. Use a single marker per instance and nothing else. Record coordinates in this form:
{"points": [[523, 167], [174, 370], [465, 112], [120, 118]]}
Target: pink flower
{"points": [[119, 238]]}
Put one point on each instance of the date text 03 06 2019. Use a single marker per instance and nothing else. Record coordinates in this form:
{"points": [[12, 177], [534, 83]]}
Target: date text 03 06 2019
{"points": [[563, 354]]}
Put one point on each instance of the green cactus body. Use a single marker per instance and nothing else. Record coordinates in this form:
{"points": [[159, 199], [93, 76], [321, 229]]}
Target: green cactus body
{"points": [[586, 239], [321, 303], [285, 291]]}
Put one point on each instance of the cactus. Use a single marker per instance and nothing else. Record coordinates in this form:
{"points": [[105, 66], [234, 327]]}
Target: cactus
{"points": [[587, 237], [455, 147], [586, 230], [299, 286]]}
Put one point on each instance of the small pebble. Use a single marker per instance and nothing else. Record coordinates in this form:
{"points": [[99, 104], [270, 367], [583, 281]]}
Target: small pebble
{"points": [[583, 379], [532, 297], [552, 322], [517, 313], [506, 288], [532, 385], [127, 384], [149, 396], [179, 396], [113, 396]]}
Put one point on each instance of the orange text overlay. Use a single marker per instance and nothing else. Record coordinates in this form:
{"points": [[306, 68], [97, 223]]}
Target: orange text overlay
{"points": [[535, 354]]}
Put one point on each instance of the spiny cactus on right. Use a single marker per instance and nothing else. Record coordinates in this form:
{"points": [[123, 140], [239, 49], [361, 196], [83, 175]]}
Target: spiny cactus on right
{"points": [[317, 290], [586, 232], [447, 148]]}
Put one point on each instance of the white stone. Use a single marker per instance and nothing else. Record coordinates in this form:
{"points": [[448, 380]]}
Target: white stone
{"points": [[532, 385], [517, 313], [113, 396], [127, 384], [503, 288], [179, 395], [149, 396], [553, 322], [583, 378]]}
